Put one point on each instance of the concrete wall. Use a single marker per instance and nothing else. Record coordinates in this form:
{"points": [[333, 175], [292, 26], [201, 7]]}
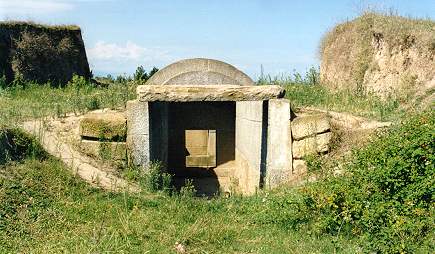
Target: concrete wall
{"points": [[249, 137], [279, 143]]}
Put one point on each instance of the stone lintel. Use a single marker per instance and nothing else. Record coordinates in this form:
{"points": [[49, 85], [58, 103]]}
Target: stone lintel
{"points": [[187, 93]]}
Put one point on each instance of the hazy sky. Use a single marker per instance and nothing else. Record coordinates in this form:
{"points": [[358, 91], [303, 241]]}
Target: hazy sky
{"points": [[280, 35]]}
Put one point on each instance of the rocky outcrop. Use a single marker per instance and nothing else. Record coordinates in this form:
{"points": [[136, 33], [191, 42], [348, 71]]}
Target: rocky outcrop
{"points": [[384, 55], [42, 53]]}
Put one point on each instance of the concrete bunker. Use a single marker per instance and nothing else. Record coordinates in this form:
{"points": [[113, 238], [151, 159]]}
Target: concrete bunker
{"points": [[207, 121]]}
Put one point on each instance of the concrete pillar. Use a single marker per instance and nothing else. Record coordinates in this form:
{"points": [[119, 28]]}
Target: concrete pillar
{"points": [[138, 133], [279, 143]]}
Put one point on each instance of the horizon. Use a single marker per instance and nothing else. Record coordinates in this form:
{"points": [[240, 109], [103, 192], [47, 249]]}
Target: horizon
{"points": [[278, 37]]}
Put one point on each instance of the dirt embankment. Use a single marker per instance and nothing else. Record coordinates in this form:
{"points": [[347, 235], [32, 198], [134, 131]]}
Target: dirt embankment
{"points": [[42, 53], [385, 55]]}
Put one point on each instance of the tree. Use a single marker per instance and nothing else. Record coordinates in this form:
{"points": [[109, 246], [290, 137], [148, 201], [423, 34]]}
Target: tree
{"points": [[140, 74]]}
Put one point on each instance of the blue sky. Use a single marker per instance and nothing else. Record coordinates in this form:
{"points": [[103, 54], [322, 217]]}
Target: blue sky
{"points": [[280, 35]]}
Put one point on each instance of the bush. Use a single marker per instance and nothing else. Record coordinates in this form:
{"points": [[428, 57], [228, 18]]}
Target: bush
{"points": [[39, 58], [386, 196], [78, 81], [15, 145]]}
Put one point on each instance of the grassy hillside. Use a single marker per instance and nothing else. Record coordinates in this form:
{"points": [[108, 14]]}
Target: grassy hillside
{"points": [[380, 53], [41, 53], [383, 203]]}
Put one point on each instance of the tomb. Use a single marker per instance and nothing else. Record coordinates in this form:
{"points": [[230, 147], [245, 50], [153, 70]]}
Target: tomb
{"points": [[207, 121]]}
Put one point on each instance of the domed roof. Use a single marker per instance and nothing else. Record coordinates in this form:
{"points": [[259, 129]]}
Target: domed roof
{"points": [[200, 71]]}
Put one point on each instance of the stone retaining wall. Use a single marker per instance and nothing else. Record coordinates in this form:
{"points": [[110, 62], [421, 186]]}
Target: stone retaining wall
{"points": [[311, 135]]}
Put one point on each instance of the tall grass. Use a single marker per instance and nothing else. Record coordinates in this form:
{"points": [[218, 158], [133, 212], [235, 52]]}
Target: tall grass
{"points": [[305, 90], [45, 209], [33, 100]]}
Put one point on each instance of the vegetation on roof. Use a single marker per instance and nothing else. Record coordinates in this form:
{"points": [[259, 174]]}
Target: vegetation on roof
{"points": [[396, 30], [16, 24]]}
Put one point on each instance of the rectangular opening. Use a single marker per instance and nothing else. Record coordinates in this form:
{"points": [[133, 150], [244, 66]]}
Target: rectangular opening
{"points": [[201, 148], [201, 144]]}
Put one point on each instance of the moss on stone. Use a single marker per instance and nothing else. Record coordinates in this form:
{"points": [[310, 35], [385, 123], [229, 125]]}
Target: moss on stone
{"points": [[104, 126]]}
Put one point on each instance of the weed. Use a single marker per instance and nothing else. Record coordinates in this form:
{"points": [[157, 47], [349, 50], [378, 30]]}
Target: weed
{"points": [[188, 190]]}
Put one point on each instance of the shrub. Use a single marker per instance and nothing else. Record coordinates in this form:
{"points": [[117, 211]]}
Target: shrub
{"points": [[41, 59], [78, 81], [15, 145], [152, 179], [386, 196]]}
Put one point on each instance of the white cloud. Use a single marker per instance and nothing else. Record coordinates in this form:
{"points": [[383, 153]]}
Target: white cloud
{"points": [[113, 51], [26, 7], [9, 8], [120, 58]]}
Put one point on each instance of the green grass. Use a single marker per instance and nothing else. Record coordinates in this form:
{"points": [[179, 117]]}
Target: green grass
{"points": [[302, 95], [23, 24], [44, 209], [307, 91], [35, 101]]}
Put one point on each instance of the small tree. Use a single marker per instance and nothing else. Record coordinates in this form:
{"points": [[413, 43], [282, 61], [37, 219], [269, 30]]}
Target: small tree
{"points": [[153, 70], [140, 74]]}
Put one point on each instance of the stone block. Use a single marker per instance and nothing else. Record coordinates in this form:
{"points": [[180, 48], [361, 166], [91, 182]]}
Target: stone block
{"points": [[138, 150], [200, 71], [311, 145], [201, 161], [138, 133], [299, 167], [279, 143], [249, 138], [104, 150], [309, 125], [104, 125], [186, 93], [138, 118]]}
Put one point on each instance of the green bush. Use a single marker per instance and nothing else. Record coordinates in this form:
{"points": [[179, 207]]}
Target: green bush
{"points": [[40, 58], [385, 197], [78, 81], [15, 145]]}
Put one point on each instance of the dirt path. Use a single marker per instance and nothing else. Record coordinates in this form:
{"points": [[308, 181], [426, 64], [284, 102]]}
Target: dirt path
{"points": [[81, 165]]}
